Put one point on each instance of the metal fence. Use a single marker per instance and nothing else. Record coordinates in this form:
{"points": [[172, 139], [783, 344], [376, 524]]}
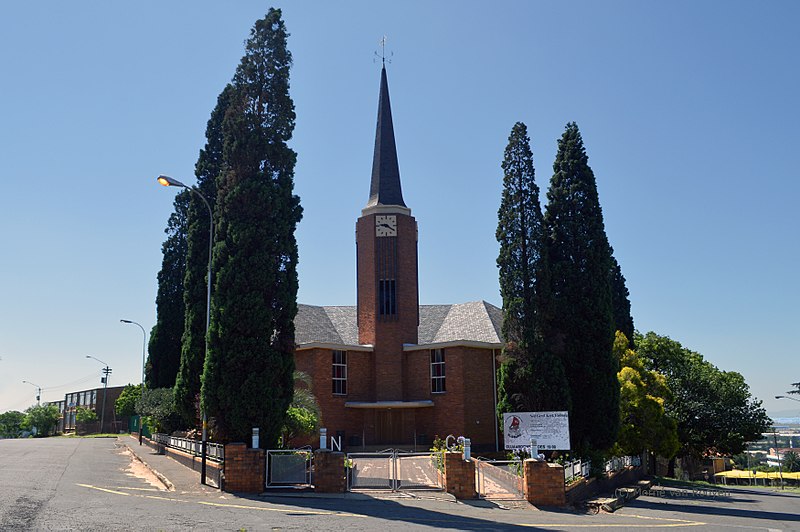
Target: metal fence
{"points": [[289, 468], [619, 463], [214, 451], [576, 469], [499, 479], [393, 469]]}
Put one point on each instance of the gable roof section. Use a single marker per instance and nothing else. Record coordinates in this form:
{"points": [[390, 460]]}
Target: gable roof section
{"points": [[475, 323]]}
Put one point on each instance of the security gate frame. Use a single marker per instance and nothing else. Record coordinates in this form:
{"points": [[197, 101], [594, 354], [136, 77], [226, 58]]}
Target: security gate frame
{"points": [[389, 470], [289, 468], [498, 479]]}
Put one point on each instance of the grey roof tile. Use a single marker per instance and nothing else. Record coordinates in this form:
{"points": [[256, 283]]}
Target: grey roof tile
{"points": [[476, 321]]}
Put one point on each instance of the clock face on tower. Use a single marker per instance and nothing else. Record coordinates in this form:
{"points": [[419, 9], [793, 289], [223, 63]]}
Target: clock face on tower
{"points": [[385, 225]]}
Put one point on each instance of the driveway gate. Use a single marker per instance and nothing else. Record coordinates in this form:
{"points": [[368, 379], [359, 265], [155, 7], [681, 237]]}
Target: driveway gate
{"points": [[392, 469], [499, 479]]}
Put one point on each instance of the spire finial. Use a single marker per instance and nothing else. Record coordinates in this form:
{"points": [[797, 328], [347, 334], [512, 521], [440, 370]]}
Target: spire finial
{"points": [[383, 57]]}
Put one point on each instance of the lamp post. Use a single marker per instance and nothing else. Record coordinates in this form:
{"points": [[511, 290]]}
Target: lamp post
{"points": [[38, 390], [106, 372], [167, 181], [144, 344]]}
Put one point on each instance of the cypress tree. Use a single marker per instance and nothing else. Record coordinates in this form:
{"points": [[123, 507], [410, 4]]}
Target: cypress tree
{"points": [[164, 347], [193, 348], [531, 378], [582, 322], [247, 378], [623, 321]]}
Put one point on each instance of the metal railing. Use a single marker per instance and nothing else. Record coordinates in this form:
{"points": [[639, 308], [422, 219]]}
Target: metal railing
{"points": [[619, 463], [576, 469], [214, 451]]}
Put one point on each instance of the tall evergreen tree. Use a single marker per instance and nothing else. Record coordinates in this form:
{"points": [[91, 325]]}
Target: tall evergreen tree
{"points": [[531, 378], [583, 319], [164, 349], [193, 350], [247, 378], [623, 321]]}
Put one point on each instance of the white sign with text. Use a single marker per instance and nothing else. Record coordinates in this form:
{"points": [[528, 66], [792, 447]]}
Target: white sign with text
{"points": [[550, 430]]}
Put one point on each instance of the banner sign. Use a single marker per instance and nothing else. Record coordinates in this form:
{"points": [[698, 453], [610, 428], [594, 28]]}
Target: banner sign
{"points": [[549, 430]]}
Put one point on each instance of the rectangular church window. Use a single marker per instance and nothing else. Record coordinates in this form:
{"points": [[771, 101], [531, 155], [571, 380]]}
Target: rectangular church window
{"points": [[437, 371], [340, 372]]}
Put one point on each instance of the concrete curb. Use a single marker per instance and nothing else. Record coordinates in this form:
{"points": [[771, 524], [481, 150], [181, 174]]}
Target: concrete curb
{"points": [[164, 480], [621, 496]]}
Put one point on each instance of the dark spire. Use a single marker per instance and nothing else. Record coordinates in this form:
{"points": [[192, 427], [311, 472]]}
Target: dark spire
{"points": [[385, 185]]}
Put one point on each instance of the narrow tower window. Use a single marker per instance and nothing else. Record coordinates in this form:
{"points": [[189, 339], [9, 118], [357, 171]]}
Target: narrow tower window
{"points": [[340, 372], [437, 371]]}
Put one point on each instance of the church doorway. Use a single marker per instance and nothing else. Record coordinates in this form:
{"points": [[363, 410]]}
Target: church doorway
{"points": [[389, 427]]}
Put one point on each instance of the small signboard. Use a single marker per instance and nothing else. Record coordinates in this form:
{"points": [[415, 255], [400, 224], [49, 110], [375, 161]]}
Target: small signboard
{"points": [[550, 430]]}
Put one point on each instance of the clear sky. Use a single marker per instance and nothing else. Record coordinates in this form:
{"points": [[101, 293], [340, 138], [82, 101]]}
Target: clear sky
{"points": [[688, 110]]}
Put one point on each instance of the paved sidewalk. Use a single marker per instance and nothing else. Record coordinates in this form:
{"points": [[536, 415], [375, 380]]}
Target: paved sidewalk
{"points": [[175, 476]]}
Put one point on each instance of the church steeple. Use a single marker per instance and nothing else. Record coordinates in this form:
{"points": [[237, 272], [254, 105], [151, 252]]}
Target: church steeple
{"points": [[384, 187]]}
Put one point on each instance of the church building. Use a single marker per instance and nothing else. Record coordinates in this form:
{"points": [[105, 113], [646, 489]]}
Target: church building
{"points": [[390, 372]]}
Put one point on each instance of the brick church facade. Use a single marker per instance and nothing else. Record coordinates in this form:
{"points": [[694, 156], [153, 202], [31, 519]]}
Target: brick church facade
{"points": [[389, 371]]}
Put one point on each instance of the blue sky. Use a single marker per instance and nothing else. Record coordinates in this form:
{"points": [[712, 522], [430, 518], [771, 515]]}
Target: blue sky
{"points": [[688, 111]]}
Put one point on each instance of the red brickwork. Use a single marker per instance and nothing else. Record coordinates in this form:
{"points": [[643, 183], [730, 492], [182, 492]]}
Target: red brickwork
{"points": [[244, 469], [465, 409], [329, 474], [459, 476], [544, 483]]}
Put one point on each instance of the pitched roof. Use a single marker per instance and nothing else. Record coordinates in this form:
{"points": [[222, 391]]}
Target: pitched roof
{"points": [[473, 322], [384, 187]]}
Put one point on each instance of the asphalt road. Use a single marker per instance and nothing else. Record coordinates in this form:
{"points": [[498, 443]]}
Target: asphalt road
{"points": [[87, 484]]}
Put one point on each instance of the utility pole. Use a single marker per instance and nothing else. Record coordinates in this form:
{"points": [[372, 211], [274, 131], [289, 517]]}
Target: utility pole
{"points": [[778, 456], [104, 380], [38, 391]]}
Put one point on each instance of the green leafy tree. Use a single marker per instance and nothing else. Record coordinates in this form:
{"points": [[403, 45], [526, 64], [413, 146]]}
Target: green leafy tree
{"points": [[531, 378], [193, 347], [43, 418], [644, 424], [85, 415], [303, 415], [157, 407], [582, 321], [791, 461], [164, 350], [247, 378], [125, 405], [623, 321], [11, 424], [713, 409]]}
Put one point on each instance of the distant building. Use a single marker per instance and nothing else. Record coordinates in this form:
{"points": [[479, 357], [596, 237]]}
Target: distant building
{"points": [[775, 456], [389, 371], [93, 400]]}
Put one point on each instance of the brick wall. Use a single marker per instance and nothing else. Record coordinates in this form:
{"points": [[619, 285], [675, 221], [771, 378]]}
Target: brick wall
{"points": [[244, 469], [459, 476], [544, 483], [329, 473]]}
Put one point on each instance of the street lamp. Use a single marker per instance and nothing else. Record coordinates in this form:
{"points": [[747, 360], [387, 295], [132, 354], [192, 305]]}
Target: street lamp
{"points": [[38, 390], [786, 397], [167, 181], [144, 343], [106, 372]]}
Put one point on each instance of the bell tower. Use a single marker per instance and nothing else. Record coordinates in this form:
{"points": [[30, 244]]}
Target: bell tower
{"points": [[386, 250]]}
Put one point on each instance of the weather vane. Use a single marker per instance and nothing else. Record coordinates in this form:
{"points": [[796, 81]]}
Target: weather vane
{"points": [[382, 56]]}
